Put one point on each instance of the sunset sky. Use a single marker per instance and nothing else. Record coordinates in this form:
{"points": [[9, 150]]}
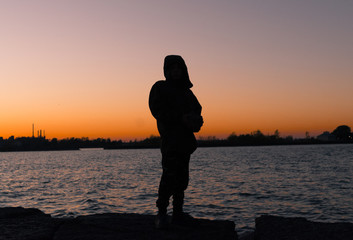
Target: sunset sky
{"points": [[84, 68]]}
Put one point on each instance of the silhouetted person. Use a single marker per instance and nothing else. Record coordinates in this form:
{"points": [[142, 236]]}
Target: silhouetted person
{"points": [[178, 115]]}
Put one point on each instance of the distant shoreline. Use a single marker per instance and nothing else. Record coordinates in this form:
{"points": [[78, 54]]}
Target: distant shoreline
{"points": [[132, 147], [341, 135]]}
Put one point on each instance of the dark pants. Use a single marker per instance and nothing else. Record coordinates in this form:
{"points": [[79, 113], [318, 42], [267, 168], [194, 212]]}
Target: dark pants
{"points": [[174, 181]]}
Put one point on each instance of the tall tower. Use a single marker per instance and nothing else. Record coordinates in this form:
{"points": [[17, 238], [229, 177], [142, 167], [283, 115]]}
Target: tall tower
{"points": [[33, 130]]}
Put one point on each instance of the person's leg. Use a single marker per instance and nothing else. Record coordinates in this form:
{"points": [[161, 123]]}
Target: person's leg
{"points": [[164, 194], [182, 181], [178, 202], [165, 190], [168, 181]]}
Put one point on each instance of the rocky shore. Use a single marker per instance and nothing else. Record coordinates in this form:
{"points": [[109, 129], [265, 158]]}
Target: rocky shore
{"points": [[33, 224], [273, 228]]}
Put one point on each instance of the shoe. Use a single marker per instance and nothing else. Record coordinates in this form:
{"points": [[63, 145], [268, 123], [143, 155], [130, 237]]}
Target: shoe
{"points": [[161, 221], [182, 218]]}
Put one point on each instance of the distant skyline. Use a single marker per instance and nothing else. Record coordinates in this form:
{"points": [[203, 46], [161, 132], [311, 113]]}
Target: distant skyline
{"points": [[40, 133], [85, 68]]}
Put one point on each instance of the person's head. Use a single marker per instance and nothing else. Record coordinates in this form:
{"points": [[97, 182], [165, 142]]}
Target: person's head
{"points": [[175, 71]]}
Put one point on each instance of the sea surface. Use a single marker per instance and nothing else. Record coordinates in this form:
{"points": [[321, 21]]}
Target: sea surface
{"points": [[227, 183]]}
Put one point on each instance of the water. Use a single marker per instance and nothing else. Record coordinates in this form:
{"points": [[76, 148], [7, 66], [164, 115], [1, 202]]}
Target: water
{"points": [[235, 183]]}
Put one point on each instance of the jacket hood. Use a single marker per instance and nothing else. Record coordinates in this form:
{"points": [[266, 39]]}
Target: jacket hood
{"points": [[168, 62]]}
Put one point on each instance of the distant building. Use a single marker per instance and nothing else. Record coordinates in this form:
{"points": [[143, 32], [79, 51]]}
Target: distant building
{"points": [[326, 137]]}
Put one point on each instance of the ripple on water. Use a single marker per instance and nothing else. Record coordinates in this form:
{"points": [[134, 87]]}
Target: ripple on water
{"points": [[237, 184]]}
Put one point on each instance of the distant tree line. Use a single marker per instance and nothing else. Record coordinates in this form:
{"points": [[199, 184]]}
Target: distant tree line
{"points": [[342, 134], [43, 144]]}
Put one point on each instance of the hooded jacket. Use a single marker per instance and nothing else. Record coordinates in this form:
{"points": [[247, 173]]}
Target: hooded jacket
{"points": [[169, 101]]}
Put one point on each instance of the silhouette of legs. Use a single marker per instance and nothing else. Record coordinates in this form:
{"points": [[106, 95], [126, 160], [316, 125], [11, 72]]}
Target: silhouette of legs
{"points": [[178, 202], [174, 181]]}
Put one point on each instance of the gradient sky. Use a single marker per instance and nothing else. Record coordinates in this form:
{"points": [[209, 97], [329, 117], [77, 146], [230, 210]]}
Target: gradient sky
{"points": [[85, 68]]}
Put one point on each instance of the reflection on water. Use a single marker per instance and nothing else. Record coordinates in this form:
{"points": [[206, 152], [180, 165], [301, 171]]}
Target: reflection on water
{"points": [[237, 183]]}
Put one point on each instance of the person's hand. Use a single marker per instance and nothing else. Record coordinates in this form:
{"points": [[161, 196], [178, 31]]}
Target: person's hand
{"points": [[193, 121]]}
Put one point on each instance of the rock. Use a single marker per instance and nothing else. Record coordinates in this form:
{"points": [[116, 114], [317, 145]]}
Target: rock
{"points": [[20, 223], [28, 224], [273, 228], [136, 226], [247, 236], [13, 212], [33, 224]]}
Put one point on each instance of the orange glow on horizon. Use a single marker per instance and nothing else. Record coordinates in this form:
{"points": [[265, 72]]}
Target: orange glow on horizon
{"points": [[85, 68]]}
